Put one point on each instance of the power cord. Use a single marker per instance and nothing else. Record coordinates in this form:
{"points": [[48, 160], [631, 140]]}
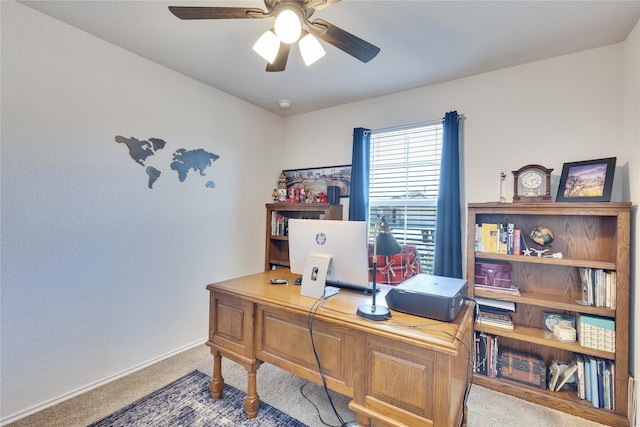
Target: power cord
{"points": [[312, 313]]}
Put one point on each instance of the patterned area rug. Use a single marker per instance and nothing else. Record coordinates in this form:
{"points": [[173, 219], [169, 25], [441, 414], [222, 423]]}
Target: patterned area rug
{"points": [[187, 402]]}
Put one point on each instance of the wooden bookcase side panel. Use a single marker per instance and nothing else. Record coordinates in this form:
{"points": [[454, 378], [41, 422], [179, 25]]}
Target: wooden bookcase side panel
{"points": [[595, 235], [277, 246]]}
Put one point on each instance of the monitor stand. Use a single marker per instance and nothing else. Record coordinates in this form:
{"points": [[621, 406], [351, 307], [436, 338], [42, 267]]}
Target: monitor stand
{"points": [[315, 275]]}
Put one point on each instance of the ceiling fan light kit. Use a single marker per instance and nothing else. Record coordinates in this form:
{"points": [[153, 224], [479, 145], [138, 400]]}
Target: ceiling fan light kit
{"points": [[288, 26], [267, 46], [310, 49], [292, 22]]}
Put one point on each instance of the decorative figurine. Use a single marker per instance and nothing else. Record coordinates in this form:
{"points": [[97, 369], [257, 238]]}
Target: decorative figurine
{"points": [[526, 251], [557, 255], [540, 252], [282, 188], [542, 235], [274, 195]]}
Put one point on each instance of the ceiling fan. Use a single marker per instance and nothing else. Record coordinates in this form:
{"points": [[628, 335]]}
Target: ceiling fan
{"points": [[291, 15]]}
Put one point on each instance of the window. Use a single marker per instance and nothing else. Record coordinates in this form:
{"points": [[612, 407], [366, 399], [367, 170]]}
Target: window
{"points": [[403, 184]]}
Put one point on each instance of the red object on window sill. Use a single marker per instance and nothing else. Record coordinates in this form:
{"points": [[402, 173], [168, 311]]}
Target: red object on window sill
{"points": [[395, 269]]}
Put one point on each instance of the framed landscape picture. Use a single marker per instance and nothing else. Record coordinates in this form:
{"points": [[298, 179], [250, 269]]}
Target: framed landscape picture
{"points": [[587, 181]]}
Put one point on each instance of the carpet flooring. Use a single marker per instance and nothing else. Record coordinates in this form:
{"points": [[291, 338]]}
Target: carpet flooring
{"points": [[187, 402], [278, 388]]}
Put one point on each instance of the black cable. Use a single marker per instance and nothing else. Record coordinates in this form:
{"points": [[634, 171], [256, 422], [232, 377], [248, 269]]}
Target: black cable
{"points": [[312, 313]]}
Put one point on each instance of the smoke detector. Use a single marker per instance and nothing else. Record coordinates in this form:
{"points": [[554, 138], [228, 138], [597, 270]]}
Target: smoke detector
{"points": [[284, 103]]}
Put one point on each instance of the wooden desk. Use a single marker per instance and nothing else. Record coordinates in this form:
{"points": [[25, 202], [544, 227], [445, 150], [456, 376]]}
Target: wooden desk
{"points": [[409, 370]]}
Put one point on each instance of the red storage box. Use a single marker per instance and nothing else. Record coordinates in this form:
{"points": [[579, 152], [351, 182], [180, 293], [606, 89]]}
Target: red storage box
{"points": [[493, 274]]}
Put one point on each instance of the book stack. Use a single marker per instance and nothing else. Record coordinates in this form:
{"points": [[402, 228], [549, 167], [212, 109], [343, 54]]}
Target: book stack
{"points": [[495, 313], [598, 287], [595, 380], [597, 332]]}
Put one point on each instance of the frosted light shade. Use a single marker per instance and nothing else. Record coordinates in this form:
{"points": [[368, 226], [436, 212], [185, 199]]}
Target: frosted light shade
{"points": [[288, 26], [267, 46], [311, 49]]}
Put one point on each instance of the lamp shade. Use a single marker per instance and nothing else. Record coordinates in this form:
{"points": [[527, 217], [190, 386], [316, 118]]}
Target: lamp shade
{"points": [[387, 244]]}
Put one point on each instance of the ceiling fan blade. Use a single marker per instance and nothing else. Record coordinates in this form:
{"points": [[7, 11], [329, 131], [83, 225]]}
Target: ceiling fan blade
{"points": [[191, 12], [354, 46], [319, 4], [280, 62]]}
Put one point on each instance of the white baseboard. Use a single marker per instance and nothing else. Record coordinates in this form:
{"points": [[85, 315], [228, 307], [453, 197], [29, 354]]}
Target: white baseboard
{"points": [[77, 392]]}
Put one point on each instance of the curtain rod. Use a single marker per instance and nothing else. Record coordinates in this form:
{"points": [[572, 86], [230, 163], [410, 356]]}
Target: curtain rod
{"points": [[401, 127], [396, 128]]}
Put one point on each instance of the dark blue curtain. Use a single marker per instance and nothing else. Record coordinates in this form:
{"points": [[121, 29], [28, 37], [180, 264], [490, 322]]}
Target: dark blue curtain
{"points": [[359, 190], [448, 252]]}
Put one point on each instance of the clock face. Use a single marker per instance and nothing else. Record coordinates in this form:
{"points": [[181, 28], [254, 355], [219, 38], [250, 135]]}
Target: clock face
{"points": [[531, 180]]}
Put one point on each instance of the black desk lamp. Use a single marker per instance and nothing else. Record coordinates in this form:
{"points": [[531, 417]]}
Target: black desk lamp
{"points": [[386, 245]]}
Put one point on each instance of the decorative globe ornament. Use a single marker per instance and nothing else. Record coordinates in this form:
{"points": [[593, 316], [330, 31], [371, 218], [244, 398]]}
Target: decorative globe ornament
{"points": [[542, 235]]}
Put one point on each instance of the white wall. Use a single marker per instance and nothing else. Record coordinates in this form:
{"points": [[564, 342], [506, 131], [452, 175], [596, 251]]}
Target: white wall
{"points": [[100, 274], [548, 112]]}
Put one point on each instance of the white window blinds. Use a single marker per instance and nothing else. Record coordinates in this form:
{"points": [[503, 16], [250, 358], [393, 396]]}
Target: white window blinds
{"points": [[403, 184]]}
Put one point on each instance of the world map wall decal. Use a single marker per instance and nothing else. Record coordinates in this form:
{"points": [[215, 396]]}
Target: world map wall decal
{"points": [[183, 160]]}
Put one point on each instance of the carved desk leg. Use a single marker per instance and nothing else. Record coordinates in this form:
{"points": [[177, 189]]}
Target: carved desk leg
{"points": [[217, 382], [363, 421], [252, 400]]}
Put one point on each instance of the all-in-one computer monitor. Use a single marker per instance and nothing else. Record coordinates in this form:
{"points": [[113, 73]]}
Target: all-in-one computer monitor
{"points": [[344, 241]]}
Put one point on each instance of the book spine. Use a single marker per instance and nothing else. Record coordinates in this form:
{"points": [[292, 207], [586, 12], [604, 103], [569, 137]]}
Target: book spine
{"points": [[510, 238], [517, 244]]}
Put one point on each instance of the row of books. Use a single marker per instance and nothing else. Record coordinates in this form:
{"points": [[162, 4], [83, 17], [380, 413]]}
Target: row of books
{"points": [[598, 287], [485, 361], [595, 380], [498, 238], [591, 377], [279, 224], [597, 332]]}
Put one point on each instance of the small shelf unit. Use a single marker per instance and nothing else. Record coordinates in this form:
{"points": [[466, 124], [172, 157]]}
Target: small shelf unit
{"points": [[277, 240]]}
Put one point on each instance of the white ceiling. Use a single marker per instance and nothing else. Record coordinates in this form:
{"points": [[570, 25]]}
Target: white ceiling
{"points": [[421, 42]]}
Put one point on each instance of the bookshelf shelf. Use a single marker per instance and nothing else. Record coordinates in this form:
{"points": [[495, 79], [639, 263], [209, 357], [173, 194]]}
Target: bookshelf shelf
{"points": [[277, 241], [553, 399], [541, 337], [589, 235], [556, 302], [605, 265]]}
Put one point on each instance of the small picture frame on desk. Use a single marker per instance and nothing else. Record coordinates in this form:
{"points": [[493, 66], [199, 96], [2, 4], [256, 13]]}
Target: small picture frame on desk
{"points": [[587, 181]]}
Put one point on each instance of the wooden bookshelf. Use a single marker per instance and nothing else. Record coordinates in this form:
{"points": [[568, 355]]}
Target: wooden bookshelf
{"points": [[595, 235], [277, 240]]}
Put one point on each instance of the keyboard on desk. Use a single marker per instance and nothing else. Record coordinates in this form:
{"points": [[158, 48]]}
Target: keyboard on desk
{"points": [[351, 286]]}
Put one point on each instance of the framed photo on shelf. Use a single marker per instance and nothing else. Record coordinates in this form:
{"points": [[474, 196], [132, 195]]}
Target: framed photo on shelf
{"points": [[316, 180], [587, 181]]}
